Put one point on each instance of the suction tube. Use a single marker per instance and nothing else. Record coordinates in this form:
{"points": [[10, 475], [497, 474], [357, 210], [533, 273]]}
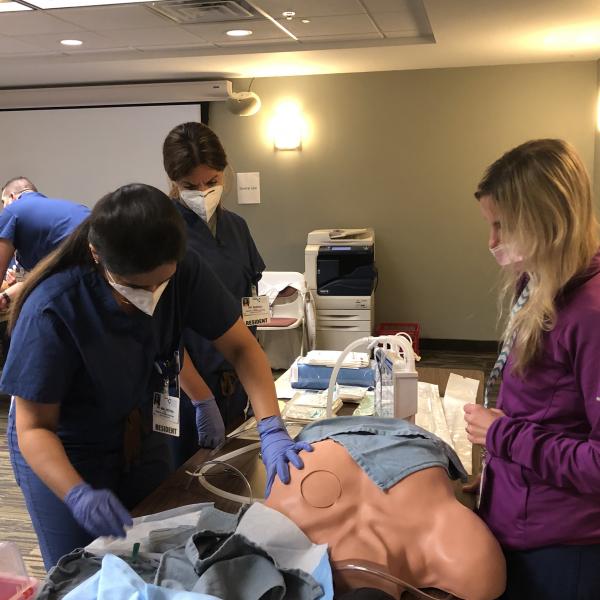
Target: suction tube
{"points": [[201, 472], [401, 340]]}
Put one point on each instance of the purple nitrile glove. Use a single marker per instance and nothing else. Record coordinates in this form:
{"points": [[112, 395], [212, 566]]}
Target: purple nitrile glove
{"points": [[99, 512], [278, 449], [209, 423]]}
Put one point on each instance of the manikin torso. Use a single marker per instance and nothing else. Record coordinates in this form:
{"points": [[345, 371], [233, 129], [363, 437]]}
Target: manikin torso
{"points": [[416, 531]]}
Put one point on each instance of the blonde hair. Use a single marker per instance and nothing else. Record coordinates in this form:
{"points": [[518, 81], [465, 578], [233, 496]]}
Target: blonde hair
{"points": [[542, 193]]}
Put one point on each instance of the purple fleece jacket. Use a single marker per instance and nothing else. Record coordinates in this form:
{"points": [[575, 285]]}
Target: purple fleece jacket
{"points": [[542, 482]]}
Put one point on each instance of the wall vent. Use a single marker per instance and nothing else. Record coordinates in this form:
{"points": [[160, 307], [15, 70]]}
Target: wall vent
{"points": [[204, 11]]}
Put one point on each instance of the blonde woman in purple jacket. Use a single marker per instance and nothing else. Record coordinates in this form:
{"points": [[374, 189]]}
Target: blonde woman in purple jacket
{"points": [[540, 492]]}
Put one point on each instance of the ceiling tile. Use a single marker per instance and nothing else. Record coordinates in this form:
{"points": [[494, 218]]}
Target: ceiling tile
{"points": [[49, 4], [165, 36], [311, 8], [259, 44], [32, 23], [91, 41], [11, 45], [98, 18], [346, 37], [199, 44], [216, 32], [374, 6], [101, 53], [341, 25], [396, 21]]}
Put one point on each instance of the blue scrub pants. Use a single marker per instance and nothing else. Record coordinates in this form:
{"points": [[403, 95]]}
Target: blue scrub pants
{"points": [[553, 573], [57, 531]]}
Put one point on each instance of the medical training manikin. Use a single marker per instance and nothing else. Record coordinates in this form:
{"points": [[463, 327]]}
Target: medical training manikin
{"points": [[396, 512]]}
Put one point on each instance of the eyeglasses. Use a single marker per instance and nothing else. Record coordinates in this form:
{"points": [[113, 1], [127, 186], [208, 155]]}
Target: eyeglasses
{"points": [[403, 590]]}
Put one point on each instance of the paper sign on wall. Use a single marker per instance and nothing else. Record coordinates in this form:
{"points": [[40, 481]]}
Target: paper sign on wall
{"points": [[248, 188]]}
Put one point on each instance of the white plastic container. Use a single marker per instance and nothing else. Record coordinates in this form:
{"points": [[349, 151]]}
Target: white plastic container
{"points": [[396, 386], [15, 584]]}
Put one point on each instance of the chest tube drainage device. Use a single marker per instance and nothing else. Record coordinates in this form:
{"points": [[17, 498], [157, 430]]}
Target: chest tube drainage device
{"points": [[396, 389]]}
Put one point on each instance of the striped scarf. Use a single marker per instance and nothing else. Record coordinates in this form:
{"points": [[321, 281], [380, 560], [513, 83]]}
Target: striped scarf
{"points": [[507, 344]]}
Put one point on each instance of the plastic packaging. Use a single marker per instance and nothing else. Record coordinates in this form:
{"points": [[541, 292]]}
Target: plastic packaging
{"points": [[15, 584], [396, 391]]}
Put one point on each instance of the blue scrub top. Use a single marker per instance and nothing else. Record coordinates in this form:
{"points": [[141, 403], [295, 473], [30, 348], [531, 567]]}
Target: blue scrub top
{"points": [[36, 224], [75, 346], [233, 256]]}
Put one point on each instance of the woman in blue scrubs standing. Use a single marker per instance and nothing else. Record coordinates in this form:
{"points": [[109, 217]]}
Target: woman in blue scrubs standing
{"points": [[195, 162], [96, 336]]}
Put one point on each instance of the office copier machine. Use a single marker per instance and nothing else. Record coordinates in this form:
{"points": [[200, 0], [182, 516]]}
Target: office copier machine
{"points": [[340, 275]]}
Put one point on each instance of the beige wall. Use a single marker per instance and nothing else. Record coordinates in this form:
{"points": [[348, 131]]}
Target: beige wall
{"points": [[402, 152]]}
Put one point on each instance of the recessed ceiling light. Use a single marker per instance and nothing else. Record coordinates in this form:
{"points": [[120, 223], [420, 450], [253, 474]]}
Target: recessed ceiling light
{"points": [[288, 14], [239, 32], [71, 42], [306, 20], [12, 7]]}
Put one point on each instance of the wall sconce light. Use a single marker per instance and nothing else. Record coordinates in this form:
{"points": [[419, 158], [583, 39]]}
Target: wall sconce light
{"points": [[287, 127]]}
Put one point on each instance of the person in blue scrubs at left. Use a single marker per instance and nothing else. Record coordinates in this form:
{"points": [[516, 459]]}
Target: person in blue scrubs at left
{"points": [[96, 340], [32, 225], [195, 161]]}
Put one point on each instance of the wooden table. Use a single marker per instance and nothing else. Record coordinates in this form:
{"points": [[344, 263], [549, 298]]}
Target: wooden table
{"points": [[180, 489]]}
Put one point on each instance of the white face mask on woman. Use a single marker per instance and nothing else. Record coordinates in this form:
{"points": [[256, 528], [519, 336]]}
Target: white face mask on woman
{"points": [[203, 204], [505, 255], [145, 300]]}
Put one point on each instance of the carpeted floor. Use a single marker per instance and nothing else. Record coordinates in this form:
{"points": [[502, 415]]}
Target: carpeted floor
{"points": [[15, 525]]}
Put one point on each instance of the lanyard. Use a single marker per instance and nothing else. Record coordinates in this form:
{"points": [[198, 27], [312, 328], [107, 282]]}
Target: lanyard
{"points": [[506, 346], [169, 370], [499, 367]]}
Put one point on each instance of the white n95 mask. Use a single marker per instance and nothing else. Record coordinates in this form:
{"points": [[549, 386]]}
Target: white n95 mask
{"points": [[145, 300], [203, 204], [505, 255]]}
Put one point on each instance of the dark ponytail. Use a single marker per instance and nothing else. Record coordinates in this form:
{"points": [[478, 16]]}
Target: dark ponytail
{"points": [[134, 229]]}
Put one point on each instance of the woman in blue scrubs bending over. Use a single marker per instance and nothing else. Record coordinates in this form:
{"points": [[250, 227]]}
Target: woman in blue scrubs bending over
{"points": [[96, 337], [195, 162]]}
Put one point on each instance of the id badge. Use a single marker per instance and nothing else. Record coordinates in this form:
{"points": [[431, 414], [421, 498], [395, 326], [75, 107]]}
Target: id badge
{"points": [[165, 414], [255, 310]]}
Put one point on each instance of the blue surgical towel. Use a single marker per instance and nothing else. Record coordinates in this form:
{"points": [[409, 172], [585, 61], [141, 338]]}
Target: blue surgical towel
{"points": [[316, 377]]}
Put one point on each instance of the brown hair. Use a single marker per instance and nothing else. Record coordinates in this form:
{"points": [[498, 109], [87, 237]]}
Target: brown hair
{"points": [[189, 145]]}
